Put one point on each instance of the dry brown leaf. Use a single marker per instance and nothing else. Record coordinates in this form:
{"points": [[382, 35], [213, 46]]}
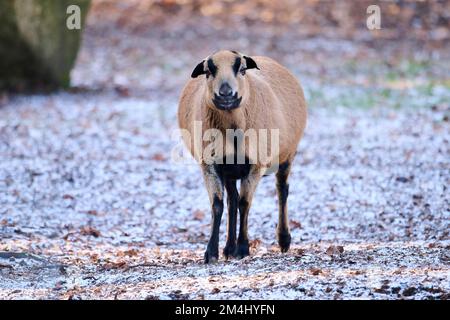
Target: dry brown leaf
{"points": [[199, 215], [115, 265], [158, 157], [90, 231], [295, 224], [131, 252], [254, 244], [315, 271], [334, 250]]}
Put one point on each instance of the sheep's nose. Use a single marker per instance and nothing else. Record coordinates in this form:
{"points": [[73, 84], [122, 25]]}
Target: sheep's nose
{"points": [[225, 90]]}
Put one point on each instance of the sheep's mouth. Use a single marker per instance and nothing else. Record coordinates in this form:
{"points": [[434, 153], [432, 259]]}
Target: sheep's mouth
{"points": [[227, 103]]}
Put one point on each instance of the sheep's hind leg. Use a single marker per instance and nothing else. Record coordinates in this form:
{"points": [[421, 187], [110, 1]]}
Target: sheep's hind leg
{"points": [[248, 187], [233, 199], [283, 232], [214, 186]]}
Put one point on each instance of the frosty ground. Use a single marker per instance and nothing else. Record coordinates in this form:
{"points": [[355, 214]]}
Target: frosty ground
{"points": [[93, 207]]}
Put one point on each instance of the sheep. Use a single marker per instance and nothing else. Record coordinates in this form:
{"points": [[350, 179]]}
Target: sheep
{"points": [[229, 90]]}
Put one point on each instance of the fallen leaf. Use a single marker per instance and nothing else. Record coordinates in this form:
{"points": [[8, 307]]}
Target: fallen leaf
{"points": [[90, 231], [334, 250], [122, 91], [295, 224], [94, 258], [254, 244], [115, 265], [158, 157], [131, 252], [199, 215], [315, 271]]}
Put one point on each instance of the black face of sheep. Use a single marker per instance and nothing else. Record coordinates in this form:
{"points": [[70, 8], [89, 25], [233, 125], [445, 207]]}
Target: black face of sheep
{"points": [[224, 74]]}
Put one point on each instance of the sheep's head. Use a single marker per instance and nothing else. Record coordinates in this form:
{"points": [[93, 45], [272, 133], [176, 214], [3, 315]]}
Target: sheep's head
{"points": [[225, 76]]}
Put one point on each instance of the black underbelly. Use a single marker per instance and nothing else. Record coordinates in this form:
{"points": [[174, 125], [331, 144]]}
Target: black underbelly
{"points": [[233, 171]]}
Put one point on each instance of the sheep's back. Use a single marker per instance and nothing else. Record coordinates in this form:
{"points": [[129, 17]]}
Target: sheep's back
{"points": [[281, 100]]}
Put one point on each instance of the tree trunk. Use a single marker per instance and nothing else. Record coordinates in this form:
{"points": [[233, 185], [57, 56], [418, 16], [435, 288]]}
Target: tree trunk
{"points": [[36, 48]]}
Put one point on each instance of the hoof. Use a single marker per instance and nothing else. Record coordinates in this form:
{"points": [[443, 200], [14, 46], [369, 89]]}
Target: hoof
{"points": [[229, 250], [284, 240], [210, 257], [242, 250]]}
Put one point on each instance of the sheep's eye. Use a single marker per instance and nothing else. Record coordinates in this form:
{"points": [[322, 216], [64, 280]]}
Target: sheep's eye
{"points": [[208, 73], [243, 71]]}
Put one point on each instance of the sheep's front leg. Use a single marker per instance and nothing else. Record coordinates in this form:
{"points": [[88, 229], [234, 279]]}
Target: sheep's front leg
{"points": [[233, 199], [283, 233], [248, 187], [214, 186]]}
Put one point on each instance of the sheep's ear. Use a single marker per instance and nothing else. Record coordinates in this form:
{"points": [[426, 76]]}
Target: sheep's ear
{"points": [[251, 64], [199, 70]]}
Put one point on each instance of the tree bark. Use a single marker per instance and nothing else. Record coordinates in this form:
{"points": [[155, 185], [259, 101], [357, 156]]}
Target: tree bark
{"points": [[36, 47]]}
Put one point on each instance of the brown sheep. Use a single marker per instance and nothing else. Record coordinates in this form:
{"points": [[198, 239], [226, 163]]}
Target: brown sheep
{"points": [[241, 92]]}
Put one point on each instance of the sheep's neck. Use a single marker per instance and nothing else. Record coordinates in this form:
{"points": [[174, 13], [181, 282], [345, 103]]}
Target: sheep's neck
{"points": [[223, 120]]}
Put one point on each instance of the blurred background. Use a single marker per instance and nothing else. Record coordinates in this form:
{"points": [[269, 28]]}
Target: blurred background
{"points": [[87, 181], [149, 46]]}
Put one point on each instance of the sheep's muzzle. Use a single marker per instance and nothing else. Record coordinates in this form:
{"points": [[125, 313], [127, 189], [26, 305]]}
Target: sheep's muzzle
{"points": [[227, 102]]}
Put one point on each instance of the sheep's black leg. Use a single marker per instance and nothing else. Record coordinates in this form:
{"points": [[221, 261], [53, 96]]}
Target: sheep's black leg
{"points": [[248, 187], [283, 233], [212, 250], [242, 249], [214, 186], [233, 198]]}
